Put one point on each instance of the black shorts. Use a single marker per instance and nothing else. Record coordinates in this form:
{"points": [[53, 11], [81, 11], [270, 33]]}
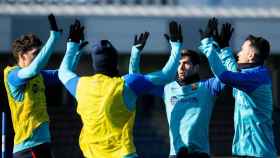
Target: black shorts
{"points": [[40, 151]]}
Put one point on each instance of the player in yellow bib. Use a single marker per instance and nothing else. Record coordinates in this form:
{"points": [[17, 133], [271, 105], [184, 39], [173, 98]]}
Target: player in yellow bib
{"points": [[25, 86], [106, 100]]}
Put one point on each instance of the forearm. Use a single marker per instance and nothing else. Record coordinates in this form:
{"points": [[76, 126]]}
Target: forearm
{"points": [[76, 60], [41, 59], [243, 81], [65, 72], [210, 50], [228, 60], [134, 62], [167, 74]]}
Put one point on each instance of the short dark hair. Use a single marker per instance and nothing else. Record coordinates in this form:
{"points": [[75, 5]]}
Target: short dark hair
{"points": [[261, 45], [194, 56], [24, 44]]}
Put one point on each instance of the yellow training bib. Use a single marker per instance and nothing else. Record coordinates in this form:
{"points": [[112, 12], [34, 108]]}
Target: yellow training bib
{"points": [[107, 124], [29, 113]]}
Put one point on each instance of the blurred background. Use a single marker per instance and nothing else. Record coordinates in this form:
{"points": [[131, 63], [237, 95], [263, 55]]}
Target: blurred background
{"points": [[119, 21]]}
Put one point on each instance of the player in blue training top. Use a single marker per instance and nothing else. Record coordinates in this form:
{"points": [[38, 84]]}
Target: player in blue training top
{"points": [[25, 86], [188, 102], [251, 82], [106, 100]]}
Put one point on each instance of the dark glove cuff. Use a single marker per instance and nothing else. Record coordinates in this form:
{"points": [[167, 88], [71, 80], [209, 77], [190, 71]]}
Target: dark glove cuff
{"points": [[71, 40]]}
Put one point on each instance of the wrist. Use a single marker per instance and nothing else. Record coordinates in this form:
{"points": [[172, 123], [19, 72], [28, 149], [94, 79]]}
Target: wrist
{"points": [[135, 49], [72, 40]]}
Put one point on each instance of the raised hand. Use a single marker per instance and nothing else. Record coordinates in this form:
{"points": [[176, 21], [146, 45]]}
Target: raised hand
{"points": [[76, 32], [175, 32], [225, 35], [211, 29], [53, 24], [139, 42]]}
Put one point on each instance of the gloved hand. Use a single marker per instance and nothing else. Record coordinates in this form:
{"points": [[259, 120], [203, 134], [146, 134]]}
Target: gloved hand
{"points": [[52, 22], [140, 42], [211, 30], [175, 31], [76, 34], [225, 35]]}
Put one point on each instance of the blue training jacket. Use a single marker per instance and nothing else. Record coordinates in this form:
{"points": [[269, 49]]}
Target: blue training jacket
{"points": [[188, 109], [252, 91]]}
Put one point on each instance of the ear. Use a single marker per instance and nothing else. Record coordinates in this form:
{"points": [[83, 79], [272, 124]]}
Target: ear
{"points": [[196, 68], [21, 56], [21, 59], [252, 55]]}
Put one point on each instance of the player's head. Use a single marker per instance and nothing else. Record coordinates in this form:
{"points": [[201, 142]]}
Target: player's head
{"points": [[254, 50], [189, 64], [105, 58], [25, 49]]}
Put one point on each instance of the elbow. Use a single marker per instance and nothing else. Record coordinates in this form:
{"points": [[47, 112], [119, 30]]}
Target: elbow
{"points": [[65, 74], [33, 72], [60, 74], [169, 77]]}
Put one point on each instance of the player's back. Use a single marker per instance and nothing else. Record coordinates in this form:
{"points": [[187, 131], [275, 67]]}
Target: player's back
{"points": [[107, 124]]}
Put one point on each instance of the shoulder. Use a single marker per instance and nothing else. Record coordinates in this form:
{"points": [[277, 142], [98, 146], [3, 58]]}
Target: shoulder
{"points": [[260, 73]]}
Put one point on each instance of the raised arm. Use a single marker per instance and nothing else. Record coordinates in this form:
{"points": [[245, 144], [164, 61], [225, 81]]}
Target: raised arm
{"points": [[139, 43], [228, 60], [68, 65], [226, 53], [21, 76], [168, 72], [137, 84], [246, 81], [210, 48]]}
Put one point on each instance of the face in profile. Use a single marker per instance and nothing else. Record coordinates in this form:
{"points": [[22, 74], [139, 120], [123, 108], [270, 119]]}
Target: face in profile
{"points": [[246, 54], [186, 68]]}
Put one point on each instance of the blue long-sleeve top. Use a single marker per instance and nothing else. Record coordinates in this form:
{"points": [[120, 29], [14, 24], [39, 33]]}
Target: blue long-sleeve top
{"points": [[226, 68], [253, 101], [19, 77], [135, 84], [188, 115]]}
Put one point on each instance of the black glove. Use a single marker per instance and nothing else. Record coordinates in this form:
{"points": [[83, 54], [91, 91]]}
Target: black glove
{"points": [[225, 35], [141, 41], [175, 31], [76, 32], [211, 29], [52, 22]]}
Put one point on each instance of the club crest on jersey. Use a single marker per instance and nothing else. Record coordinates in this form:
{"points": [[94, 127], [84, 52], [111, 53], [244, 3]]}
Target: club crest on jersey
{"points": [[191, 100], [173, 100], [35, 88]]}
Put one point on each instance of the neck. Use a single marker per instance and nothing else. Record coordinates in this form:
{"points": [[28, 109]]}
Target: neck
{"points": [[188, 80], [248, 65], [114, 73]]}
